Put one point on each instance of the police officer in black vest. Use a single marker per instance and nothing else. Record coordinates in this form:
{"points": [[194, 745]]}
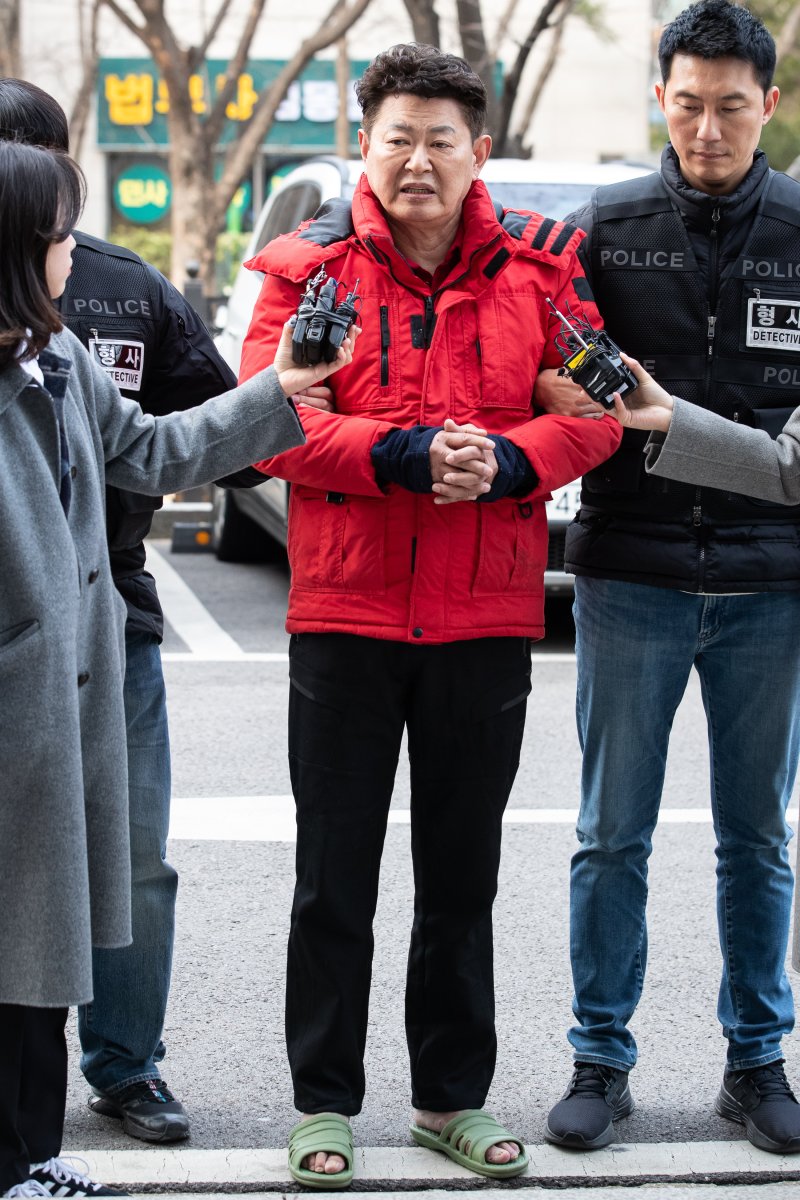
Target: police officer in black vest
{"points": [[152, 343], [696, 270]]}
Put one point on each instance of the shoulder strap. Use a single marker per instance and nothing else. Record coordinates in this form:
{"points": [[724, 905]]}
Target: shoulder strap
{"points": [[632, 198], [332, 222], [538, 232], [101, 247], [781, 198]]}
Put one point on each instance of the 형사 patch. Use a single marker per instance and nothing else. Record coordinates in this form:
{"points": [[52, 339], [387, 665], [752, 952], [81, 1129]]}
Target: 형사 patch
{"points": [[773, 324], [122, 360]]}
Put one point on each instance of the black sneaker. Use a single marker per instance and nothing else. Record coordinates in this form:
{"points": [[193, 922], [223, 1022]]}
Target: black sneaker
{"points": [[59, 1177], [762, 1101], [596, 1096], [148, 1110], [28, 1188]]}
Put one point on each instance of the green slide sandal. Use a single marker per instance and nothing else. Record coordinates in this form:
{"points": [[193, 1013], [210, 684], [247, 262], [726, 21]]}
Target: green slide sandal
{"points": [[466, 1139], [326, 1132]]}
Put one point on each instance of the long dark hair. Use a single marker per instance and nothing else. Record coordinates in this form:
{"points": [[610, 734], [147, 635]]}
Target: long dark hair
{"points": [[29, 114], [41, 198]]}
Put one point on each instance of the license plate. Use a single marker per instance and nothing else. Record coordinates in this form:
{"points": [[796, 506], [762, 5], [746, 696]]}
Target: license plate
{"points": [[565, 503]]}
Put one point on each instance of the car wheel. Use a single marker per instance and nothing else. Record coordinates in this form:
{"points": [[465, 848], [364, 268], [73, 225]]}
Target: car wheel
{"points": [[235, 538]]}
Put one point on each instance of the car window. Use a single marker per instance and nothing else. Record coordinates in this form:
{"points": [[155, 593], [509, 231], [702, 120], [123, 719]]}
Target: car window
{"points": [[550, 199], [292, 204]]}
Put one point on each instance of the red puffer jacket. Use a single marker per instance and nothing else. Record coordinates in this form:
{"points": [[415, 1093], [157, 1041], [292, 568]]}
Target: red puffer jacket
{"points": [[395, 565]]}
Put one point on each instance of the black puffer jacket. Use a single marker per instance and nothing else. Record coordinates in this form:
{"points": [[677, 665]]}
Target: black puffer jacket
{"points": [[705, 291]]}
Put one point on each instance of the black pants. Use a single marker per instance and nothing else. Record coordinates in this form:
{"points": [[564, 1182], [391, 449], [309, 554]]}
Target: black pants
{"points": [[464, 706], [33, 1088]]}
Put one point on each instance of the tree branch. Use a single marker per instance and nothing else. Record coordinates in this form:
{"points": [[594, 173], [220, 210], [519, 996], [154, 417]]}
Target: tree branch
{"points": [[139, 30], [424, 21], [512, 80], [240, 154], [502, 27], [216, 117], [787, 38], [545, 73], [79, 115], [476, 51], [199, 52]]}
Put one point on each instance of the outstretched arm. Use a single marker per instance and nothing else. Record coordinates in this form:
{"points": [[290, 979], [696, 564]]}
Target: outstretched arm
{"points": [[157, 454], [336, 455], [704, 448]]}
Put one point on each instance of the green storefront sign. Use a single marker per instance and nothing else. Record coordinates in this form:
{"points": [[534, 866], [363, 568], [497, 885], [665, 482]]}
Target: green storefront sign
{"points": [[133, 102], [143, 193]]}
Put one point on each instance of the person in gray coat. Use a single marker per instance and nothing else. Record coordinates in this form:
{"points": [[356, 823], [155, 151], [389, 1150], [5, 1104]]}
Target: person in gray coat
{"points": [[64, 431], [693, 445]]}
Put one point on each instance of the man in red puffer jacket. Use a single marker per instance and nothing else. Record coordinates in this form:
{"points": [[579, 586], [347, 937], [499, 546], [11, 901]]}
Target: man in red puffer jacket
{"points": [[417, 547]]}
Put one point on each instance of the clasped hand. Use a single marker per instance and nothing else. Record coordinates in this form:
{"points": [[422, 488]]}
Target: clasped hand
{"points": [[463, 464]]}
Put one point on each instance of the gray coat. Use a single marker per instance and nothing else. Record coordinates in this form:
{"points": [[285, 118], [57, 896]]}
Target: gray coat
{"points": [[701, 447], [707, 449], [64, 856]]}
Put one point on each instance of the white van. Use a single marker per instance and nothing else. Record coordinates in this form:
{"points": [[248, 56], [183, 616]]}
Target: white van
{"points": [[251, 524]]}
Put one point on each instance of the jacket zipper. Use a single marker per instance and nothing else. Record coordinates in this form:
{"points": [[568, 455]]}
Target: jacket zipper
{"points": [[713, 239], [385, 343], [430, 301], [711, 329], [430, 320]]}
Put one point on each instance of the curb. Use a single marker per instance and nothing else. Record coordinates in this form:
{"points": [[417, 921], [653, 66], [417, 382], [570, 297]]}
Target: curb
{"points": [[411, 1169], [164, 519]]}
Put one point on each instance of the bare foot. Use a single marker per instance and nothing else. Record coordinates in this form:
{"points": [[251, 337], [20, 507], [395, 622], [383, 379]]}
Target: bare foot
{"points": [[503, 1152], [321, 1162]]}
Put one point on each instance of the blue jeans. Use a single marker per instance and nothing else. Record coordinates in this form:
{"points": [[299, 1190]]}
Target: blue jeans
{"points": [[635, 648], [120, 1030]]}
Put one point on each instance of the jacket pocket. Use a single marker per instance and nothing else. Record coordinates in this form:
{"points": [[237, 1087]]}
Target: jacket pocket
{"points": [[337, 542], [507, 375], [374, 383], [15, 635], [512, 547]]}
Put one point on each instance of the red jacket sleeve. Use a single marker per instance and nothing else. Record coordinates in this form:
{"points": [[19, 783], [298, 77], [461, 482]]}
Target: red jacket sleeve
{"points": [[561, 449], [336, 455], [574, 299], [558, 448]]}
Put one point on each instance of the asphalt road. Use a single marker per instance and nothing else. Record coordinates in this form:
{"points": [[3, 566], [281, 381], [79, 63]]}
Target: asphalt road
{"points": [[224, 1027]]}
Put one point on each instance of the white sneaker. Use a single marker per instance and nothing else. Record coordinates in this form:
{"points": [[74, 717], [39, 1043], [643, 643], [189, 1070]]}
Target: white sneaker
{"points": [[58, 1178]]}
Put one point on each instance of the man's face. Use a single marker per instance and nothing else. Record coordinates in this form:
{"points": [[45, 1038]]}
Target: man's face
{"points": [[421, 160], [715, 112]]}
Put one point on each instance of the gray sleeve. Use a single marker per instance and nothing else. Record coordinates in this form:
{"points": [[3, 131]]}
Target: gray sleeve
{"points": [[155, 455], [706, 449]]}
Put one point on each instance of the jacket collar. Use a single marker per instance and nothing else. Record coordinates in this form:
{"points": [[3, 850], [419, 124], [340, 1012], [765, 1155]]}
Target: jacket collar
{"points": [[55, 369], [696, 207], [480, 235]]}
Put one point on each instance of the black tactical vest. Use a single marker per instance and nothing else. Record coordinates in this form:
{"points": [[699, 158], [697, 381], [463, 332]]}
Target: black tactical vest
{"points": [[112, 305], [732, 347]]}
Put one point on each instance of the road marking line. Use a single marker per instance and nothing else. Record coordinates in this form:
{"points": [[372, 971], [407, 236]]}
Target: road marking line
{"points": [[237, 655], [662, 1161], [191, 621], [272, 818]]}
